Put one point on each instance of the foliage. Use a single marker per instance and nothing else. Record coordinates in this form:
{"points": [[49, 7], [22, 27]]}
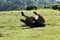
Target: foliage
{"points": [[31, 7], [14, 4], [48, 7], [59, 7], [55, 7]]}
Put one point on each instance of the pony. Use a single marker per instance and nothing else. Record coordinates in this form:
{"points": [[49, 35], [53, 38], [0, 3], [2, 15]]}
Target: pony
{"points": [[33, 21]]}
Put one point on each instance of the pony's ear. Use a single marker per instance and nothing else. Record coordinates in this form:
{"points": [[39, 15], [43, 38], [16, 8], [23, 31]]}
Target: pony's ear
{"points": [[35, 13], [22, 13]]}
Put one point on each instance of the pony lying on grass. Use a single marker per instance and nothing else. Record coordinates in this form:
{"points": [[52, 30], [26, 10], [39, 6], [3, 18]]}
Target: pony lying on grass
{"points": [[33, 21]]}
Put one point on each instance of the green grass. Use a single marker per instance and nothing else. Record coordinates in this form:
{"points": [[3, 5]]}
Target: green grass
{"points": [[13, 29]]}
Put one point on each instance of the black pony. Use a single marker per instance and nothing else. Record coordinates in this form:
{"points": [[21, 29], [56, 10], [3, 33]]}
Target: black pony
{"points": [[33, 21]]}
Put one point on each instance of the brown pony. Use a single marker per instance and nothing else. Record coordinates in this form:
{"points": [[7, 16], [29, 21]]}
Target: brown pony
{"points": [[33, 21]]}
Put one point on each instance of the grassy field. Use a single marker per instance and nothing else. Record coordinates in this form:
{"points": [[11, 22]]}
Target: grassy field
{"points": [[11, 28]]}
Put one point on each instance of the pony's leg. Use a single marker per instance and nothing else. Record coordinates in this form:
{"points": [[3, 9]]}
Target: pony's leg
{"points": [[35, 13], [22, 20], [22, 13]]}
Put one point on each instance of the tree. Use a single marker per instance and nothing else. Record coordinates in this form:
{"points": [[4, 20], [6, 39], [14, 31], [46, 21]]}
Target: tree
{"points": [[59, 8], [55, 7], [31, 7]]}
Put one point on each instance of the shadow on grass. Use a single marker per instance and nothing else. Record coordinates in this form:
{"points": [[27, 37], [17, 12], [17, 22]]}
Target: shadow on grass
{"points": [[29, 27], [24, 27]]}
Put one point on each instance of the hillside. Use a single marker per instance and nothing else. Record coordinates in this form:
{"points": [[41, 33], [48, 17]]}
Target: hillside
{"points": [[12, 28]]}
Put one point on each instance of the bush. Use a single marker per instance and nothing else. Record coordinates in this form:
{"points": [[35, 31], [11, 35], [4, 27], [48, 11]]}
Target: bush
{"points": [[47, 6], [59, 9], [55, 7], [31, 7]]}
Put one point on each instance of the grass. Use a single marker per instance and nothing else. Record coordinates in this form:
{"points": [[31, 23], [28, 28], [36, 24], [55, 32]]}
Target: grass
{"points": [[11, 28]]}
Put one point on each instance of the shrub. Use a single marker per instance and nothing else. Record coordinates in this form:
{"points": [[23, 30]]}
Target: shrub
{"points": [[48, 7], [55, 7], [31, 7], [59, 9]]}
